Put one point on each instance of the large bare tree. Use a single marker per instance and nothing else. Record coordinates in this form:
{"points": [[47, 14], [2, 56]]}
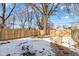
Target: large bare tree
{"points": [[29, 17], [3, 16], [46, 10]]}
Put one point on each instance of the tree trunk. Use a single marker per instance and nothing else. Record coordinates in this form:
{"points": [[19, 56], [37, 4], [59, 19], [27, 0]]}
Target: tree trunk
{"points": [[45, 24], [3, 23]]}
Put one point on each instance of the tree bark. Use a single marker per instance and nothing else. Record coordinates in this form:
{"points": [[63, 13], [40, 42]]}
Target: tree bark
{"points": [[3, 14], [3, 23], [45, 24]]}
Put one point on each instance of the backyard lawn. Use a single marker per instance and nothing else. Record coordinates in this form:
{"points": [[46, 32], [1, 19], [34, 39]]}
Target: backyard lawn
{"points": [[33, 46]]}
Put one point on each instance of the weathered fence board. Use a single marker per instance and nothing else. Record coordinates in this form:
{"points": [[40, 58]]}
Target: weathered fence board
{"points": [[18, 33]]}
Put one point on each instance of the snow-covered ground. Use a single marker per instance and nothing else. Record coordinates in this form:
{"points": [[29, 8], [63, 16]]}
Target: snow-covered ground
{"points": [[33, 46], [27, 46], [69, 43]]}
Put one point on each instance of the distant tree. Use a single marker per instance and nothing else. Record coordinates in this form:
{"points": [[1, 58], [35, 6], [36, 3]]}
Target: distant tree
{"points": [[10, 22], [50, 24], [21, 15], [29, 15], [39, 19], [29, 12], [72, 9]]}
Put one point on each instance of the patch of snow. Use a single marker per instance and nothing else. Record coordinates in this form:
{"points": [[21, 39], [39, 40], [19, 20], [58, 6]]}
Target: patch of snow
{"points": [[68, 42], [37, 46]]}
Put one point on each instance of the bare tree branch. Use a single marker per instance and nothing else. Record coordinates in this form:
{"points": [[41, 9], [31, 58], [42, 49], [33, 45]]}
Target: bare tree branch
{"points": [[10, 12], [3, 10], [37, 8], [53, 9]]}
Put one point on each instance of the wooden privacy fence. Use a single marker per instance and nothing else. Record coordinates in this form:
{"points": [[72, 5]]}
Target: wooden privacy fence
{"points": [[16, 33], [19, 33], [64, 32]]}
